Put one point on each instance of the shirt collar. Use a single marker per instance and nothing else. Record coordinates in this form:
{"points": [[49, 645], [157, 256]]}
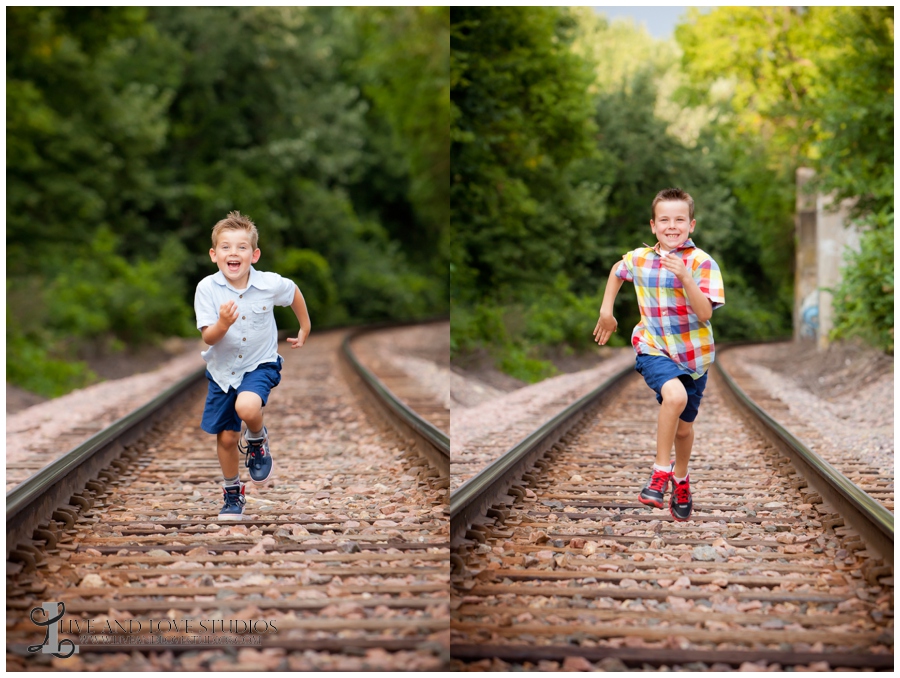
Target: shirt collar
{"points": [[687, 244], [255, 280]]}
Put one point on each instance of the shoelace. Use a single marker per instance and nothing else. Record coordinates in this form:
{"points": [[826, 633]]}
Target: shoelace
{"points": [[659, 480], [254, 454], [232, 499], [253, 450], [682, 492]]}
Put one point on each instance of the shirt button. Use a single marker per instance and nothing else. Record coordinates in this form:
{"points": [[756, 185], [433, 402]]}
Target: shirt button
{"points": [[232, 372], [240, 296], [245, 339], [240, 356], [264, 308], [243, 317]]}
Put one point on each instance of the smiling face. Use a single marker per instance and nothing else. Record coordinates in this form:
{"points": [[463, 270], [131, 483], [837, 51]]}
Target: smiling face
{"points": [[673, 224], [233, 254]]}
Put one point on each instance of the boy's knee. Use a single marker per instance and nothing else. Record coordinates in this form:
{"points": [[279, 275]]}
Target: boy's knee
{"points": [[248, 405], [673, 394], [684, 429], [228, 438]]}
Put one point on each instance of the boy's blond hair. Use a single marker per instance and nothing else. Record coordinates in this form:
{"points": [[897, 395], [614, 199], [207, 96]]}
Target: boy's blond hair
{"points": [[672, 194], [235, 221]]}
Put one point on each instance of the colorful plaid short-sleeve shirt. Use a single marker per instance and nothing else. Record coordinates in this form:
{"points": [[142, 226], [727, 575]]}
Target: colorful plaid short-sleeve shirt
{"points": [[668, 326]]}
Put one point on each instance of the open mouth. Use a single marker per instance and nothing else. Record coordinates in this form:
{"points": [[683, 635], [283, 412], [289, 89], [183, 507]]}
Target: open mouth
{"points": [[234, 266]]}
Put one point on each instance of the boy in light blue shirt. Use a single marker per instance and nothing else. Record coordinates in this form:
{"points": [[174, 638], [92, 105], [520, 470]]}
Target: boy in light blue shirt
{"points": [[234, 309]]}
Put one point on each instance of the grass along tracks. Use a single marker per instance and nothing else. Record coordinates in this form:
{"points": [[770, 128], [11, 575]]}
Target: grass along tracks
{"points": [[345, 554], [569, 570]]}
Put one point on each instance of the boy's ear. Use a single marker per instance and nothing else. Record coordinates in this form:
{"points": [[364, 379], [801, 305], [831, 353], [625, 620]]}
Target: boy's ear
{"points": [[256, 254], [212, 254]]}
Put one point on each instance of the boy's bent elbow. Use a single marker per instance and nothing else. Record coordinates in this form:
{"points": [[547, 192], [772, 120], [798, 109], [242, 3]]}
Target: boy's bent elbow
{"points": [[210, 336]]}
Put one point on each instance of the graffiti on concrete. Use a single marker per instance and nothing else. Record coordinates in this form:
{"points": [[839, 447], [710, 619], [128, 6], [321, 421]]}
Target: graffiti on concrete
{"points": [[809, 315]]}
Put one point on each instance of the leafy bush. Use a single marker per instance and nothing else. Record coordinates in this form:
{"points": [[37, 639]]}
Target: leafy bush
{"points": [[748, 315], [30, 366], [864, 300], [312, 274], [476, 327], [102, 294], [516, 362], [559, 317]]}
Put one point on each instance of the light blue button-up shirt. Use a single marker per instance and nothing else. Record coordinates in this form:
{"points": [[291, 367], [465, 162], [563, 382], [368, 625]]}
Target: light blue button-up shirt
{"points": [[253, 339]]}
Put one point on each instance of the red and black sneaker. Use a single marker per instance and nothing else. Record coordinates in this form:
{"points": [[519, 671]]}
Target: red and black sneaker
{"points": [[681, 504], [654, 492]]}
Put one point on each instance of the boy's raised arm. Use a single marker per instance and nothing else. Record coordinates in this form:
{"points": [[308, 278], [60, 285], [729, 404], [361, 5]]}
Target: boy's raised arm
{"points": [[228, 314], [699, 302], [607, 324], [298, 306]]}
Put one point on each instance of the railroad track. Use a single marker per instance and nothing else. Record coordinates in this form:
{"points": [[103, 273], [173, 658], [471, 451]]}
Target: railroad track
{"points": [[557, 565], [341, 564], [483, 434], [875, 480]]}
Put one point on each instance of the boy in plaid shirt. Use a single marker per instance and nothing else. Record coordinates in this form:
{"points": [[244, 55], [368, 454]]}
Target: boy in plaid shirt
{"points": [[678, 285]]}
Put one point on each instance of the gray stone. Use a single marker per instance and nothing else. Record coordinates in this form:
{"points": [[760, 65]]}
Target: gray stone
{"points": [[704, 553]]}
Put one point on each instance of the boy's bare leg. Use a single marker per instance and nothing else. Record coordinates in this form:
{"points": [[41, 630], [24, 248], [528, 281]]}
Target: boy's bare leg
{"points": [[674, 399], [227, 449], [684, 442], [249, 408]]}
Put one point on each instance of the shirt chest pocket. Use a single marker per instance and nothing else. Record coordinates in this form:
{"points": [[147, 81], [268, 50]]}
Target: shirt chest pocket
{"points": [[260, 312]]}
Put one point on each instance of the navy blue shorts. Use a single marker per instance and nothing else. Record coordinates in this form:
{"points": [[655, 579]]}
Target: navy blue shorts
{"points": [[658, 369], [219, 414]]}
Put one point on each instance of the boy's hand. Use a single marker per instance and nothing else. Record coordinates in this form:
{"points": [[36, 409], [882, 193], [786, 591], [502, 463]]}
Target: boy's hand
{"points": [[299, 341], [228, 313], [672, 262], [606, 325]]}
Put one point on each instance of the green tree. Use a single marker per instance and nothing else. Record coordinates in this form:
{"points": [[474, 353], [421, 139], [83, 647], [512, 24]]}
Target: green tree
{"points": [[79, 139], [405, 70], [810, 87], [524, 205], [853, 147]]}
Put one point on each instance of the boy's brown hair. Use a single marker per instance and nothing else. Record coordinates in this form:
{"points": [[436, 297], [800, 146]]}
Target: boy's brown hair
{"points": [[235, 221], [668, 194]]}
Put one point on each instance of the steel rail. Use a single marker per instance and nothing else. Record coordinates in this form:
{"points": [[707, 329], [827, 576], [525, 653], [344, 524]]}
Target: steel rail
{"points": [[873, 521], [34, 501], [433, 443], [473, 498]]}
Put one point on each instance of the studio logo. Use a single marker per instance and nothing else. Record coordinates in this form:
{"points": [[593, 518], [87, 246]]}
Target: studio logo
{"points": [[52, 644]]}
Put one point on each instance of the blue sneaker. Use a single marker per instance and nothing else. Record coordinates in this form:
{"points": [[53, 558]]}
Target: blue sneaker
{"points": [[234, 502], [259, 459]]}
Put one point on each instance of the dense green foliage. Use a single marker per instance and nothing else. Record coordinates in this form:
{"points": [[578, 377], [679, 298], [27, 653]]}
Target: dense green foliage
{"points": [[525, 194], [811, 86], [864, 301], [521, 131], [746, 96], [131, 131]]}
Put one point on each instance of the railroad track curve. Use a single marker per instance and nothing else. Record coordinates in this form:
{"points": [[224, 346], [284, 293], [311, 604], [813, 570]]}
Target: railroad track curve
{"points": [[557, 565], [339, 564]]}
